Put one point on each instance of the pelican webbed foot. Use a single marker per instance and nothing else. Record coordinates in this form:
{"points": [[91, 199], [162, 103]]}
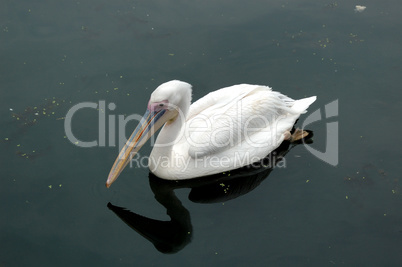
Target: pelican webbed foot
{"points": [[296, 136]]}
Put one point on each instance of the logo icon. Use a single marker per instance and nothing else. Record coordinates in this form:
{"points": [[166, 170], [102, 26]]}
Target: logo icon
{"points": [[330, 155]]}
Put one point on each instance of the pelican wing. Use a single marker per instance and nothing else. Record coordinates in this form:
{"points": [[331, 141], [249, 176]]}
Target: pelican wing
{"points": [[229, 117], [220, 98]]}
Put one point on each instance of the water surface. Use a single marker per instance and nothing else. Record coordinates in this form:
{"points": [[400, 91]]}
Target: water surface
{"points": [[55, 55]]}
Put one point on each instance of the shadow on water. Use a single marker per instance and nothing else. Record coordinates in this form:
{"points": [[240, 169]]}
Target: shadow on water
{"points": [[172, 236]]}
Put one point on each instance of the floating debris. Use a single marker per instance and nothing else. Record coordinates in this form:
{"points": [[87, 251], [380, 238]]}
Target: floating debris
{"points": [[359, 8], [32, 155], [30, 115], [332, 5], [354, 38], [294, 35], [323, 43], [368, 175]]}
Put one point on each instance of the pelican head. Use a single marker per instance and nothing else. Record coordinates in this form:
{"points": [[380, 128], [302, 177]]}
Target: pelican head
{"points": [[165, 103]]}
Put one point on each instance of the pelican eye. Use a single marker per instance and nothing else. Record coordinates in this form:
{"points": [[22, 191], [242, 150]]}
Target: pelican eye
{"points": [[161, 104]]}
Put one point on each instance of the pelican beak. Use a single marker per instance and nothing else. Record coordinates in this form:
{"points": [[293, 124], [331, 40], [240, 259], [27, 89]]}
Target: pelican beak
{"points": [[149, 124]]}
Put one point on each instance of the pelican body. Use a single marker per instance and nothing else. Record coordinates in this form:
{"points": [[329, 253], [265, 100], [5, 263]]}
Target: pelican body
{"points": [[226, 129]]}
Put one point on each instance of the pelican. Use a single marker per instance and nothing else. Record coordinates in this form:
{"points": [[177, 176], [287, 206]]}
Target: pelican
{"points": [[226, 129]]}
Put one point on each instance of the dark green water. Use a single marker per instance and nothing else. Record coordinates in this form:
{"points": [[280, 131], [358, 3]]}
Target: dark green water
{"points": [[55, 55]]}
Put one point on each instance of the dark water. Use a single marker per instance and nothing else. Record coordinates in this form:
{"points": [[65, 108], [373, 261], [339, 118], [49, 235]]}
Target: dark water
{"points": [[57, 54]]}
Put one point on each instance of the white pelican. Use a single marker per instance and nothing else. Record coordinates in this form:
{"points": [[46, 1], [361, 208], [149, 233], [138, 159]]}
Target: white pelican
{"points": [[225, 130]]}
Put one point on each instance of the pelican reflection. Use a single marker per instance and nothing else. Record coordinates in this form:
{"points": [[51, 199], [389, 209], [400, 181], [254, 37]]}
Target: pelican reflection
{"points": [[172, 236]]}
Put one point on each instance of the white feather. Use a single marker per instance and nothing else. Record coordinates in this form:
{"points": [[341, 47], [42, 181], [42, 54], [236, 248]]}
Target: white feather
{"points": [[227, 129]]}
